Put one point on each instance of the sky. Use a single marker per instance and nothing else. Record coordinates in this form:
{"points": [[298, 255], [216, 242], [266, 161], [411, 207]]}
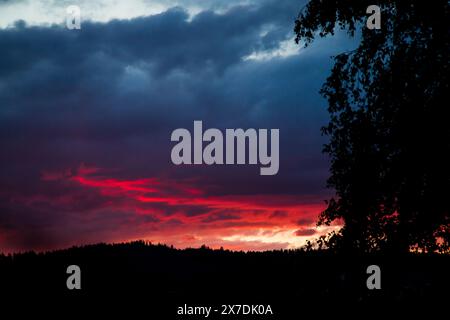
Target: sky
{"points": [[86, 117]]}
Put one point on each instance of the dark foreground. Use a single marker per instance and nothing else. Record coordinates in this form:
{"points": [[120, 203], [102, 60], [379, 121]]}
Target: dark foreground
{"points": [[152, 282]]}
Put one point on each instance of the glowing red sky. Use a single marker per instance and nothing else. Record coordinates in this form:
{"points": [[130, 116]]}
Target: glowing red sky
{"points": [[95, 207]]}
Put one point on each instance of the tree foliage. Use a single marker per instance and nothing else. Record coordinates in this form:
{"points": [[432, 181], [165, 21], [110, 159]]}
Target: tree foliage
{"points": [[389, 130]]}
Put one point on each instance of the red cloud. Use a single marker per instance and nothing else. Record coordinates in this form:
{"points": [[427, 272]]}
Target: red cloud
{"points": [[90, 205]]}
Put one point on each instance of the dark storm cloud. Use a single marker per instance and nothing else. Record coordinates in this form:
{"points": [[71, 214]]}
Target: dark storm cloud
{"points": [[221, 216], [305, 221], [167, 40], [111, 93], [128, 77], [279, 213], [305, 232]]}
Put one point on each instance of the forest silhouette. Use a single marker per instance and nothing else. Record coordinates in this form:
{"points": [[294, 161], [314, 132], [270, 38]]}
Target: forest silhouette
{"points": [[154, 279]]}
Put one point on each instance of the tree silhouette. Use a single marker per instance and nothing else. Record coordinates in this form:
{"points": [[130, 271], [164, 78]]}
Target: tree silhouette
{"points": [[389, 130]]}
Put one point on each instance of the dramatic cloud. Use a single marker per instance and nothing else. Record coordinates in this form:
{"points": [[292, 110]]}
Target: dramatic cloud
{"points": [[305, 232], [86, 117]]}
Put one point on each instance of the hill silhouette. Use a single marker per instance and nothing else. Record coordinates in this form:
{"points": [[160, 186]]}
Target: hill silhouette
{"points": [[161, 278]]}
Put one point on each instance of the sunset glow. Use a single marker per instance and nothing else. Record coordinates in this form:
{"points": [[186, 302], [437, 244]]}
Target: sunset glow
{"points": [[182, 214]]}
